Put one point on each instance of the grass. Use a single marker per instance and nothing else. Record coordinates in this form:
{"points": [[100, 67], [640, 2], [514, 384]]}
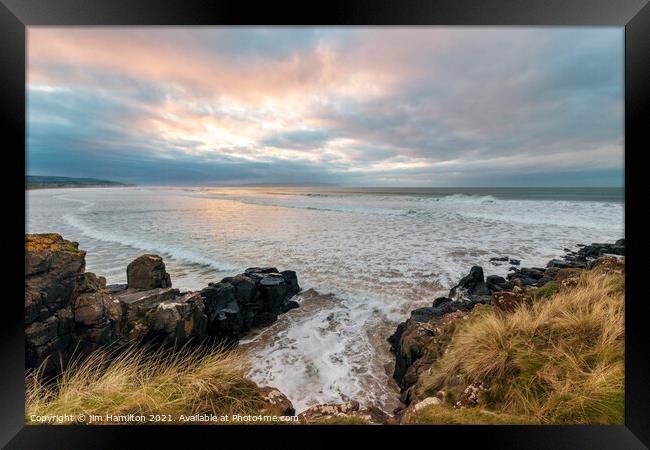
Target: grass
{"points": [[140, 381], [559, 360], [444, 415], [549, 289]]}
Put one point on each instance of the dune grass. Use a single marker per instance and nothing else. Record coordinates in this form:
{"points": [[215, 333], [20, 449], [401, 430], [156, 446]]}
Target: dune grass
{"points": [[201, 380], [559, 360]]}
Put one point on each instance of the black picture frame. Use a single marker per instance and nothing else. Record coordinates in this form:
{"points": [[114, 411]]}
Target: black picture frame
{"points": [[633, 15]]}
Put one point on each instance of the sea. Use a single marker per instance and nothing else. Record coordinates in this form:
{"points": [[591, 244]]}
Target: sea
{"points": [[372, 255]]}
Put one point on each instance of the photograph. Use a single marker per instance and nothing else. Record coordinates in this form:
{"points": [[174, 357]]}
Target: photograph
{"points": [[325, 225]]}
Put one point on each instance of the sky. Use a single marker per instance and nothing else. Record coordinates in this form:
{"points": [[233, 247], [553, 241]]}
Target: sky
{"points": [[355, 106]]}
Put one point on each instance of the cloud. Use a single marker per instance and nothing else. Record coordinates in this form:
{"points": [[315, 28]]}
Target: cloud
{"points": [[359, 106]]}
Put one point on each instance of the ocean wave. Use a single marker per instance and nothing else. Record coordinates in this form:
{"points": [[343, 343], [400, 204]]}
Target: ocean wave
{"points": [[149, 245]]}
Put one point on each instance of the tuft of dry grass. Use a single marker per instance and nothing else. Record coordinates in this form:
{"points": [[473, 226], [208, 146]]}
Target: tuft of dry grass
{"points": [[143, 381], [559, 360]]}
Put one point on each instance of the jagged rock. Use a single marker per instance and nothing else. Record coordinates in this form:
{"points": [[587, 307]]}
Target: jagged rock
{"points": [[54, 273], [371, 414], [418, 344], [52, 266], [277, 401], [147, 272], [179, 319], [470, 285], [514, 262], [69, 310], [255, 298]]}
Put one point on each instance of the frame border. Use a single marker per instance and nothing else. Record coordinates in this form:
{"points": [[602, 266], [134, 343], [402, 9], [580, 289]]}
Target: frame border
{"points": [[634, 15]]}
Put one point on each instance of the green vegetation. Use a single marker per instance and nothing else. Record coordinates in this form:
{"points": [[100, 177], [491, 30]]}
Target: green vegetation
{"points": [[549, 289], [560, 360]]}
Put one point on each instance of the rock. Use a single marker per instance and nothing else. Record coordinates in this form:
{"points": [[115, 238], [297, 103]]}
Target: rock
{"points": [[609, 264], [116, 288], [470, 285], [329, 410], [498, 260], [97, 316], [260, 270], [40, 333], [371, 415], [147, 272], [593, 251], [136, 304], [54, 273], [496, 283], [558, 263], [179, 319], [528, 276], [439, 301], [514, 262], [509, 301], [470, 397], [277, 401], [69, 310], [235, 305], [418, 344], [407, 415], [291, 279], [52, 266]]}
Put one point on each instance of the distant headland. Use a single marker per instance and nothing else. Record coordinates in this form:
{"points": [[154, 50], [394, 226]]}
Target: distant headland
{"points": [[48, 182]]}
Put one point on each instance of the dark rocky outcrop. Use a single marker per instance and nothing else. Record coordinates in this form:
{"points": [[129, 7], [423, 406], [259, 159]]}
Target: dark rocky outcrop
{"points": [[255, 298], [497, 283], [470, 286], [416, 341], [583, 258], [64, 306], [68, 310]]}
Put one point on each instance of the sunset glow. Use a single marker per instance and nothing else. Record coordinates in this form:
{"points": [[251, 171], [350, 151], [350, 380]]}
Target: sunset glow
{"points": [[358, 106]]}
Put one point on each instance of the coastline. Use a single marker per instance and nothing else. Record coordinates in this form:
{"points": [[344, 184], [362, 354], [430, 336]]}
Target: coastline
{"points": [[65, 186], [147, 309]]}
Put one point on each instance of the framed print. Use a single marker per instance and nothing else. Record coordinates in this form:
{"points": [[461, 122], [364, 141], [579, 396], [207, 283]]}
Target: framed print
{"points": [[417, 219]]}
